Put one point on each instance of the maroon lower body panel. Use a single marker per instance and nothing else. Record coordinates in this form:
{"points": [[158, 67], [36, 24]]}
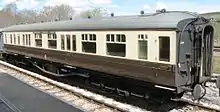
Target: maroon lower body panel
{"points": [[157, 73]]}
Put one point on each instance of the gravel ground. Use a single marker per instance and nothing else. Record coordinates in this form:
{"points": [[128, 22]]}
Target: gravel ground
{"points": [[211, 99]]}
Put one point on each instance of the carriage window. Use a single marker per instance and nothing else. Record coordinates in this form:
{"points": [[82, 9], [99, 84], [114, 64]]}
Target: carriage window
{"points": [[62, 42], [86, 36], [142, 46], [14, 39], [74, 42], [52, 41], [107, 37], [23, 39], [92, 37], [28, 39], [164, 48], [120, 38], [117, 48], [38, 40], [18, 39], [89, 43], [5, 39], [11, 38], [68, 44], [112, 37]]}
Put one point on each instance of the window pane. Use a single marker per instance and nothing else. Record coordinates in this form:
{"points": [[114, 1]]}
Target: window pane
{"points": [[38, 35], [5, 38], [94, 37], [108, 37], [164, 46], [14, 39], [123, 38], [54, 36], [38, 39], [90, 37], [116, 49], [38, 42], [142, 49], [142, 36], [26, 40], [68, 42], [112, 37], [83, 37], [23, 39], [74, 42], [146, 36], [118, 38], [89, 47], [52, 44], [62, 42], [49, 36], [29, 39], [18, 39], [11, 38]]}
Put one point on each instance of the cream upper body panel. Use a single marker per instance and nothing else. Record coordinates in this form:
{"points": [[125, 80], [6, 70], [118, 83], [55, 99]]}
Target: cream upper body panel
{"points": [[131, 43]]}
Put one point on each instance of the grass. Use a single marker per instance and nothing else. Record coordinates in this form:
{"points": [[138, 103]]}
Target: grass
{"points": [[216, 64]]}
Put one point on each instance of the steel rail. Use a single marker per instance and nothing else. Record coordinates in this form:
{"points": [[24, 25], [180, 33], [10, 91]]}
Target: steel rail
{"points": [[101, 101]]}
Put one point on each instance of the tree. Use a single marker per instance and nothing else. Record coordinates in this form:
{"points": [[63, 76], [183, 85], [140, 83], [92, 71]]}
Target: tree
{"points": [[26, 16], [63, 12], [11, 16], [96, 12], [11, 8], [60, 12]]}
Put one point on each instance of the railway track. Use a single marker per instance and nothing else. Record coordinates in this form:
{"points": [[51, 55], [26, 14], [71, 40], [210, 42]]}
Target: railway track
{"points": [[74, 96], [81, 98]]}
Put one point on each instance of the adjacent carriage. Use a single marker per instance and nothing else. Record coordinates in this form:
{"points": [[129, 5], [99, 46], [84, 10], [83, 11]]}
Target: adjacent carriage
{"points": [[168, 50]]}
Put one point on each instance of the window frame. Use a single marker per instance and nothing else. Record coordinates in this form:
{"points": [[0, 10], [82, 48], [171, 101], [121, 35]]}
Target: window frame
{"points": [[38, 37], [11, 39], [68, 43], [18, 38], [62, 42], [113, 40], [89, 38], [5, 39], [163, 48], [51, 37], [23, 39], [73, 38], [143, 38], [14, 39]]}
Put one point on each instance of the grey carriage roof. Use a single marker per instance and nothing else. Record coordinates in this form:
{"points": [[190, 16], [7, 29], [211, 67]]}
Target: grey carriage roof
{"points": [[165, 20]]}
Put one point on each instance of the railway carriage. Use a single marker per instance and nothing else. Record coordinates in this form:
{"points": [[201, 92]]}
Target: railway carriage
{"points": [[169, 50]]}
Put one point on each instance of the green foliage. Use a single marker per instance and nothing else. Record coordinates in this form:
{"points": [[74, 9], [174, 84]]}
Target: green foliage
{"points": [[216, 64]]}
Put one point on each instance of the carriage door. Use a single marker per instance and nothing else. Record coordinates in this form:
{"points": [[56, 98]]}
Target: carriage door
{"points": [[207, 52]]}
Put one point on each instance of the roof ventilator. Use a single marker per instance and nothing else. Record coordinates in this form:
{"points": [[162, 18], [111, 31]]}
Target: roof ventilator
{"points": [[112, 14], [142, 12], [161, 11]]}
